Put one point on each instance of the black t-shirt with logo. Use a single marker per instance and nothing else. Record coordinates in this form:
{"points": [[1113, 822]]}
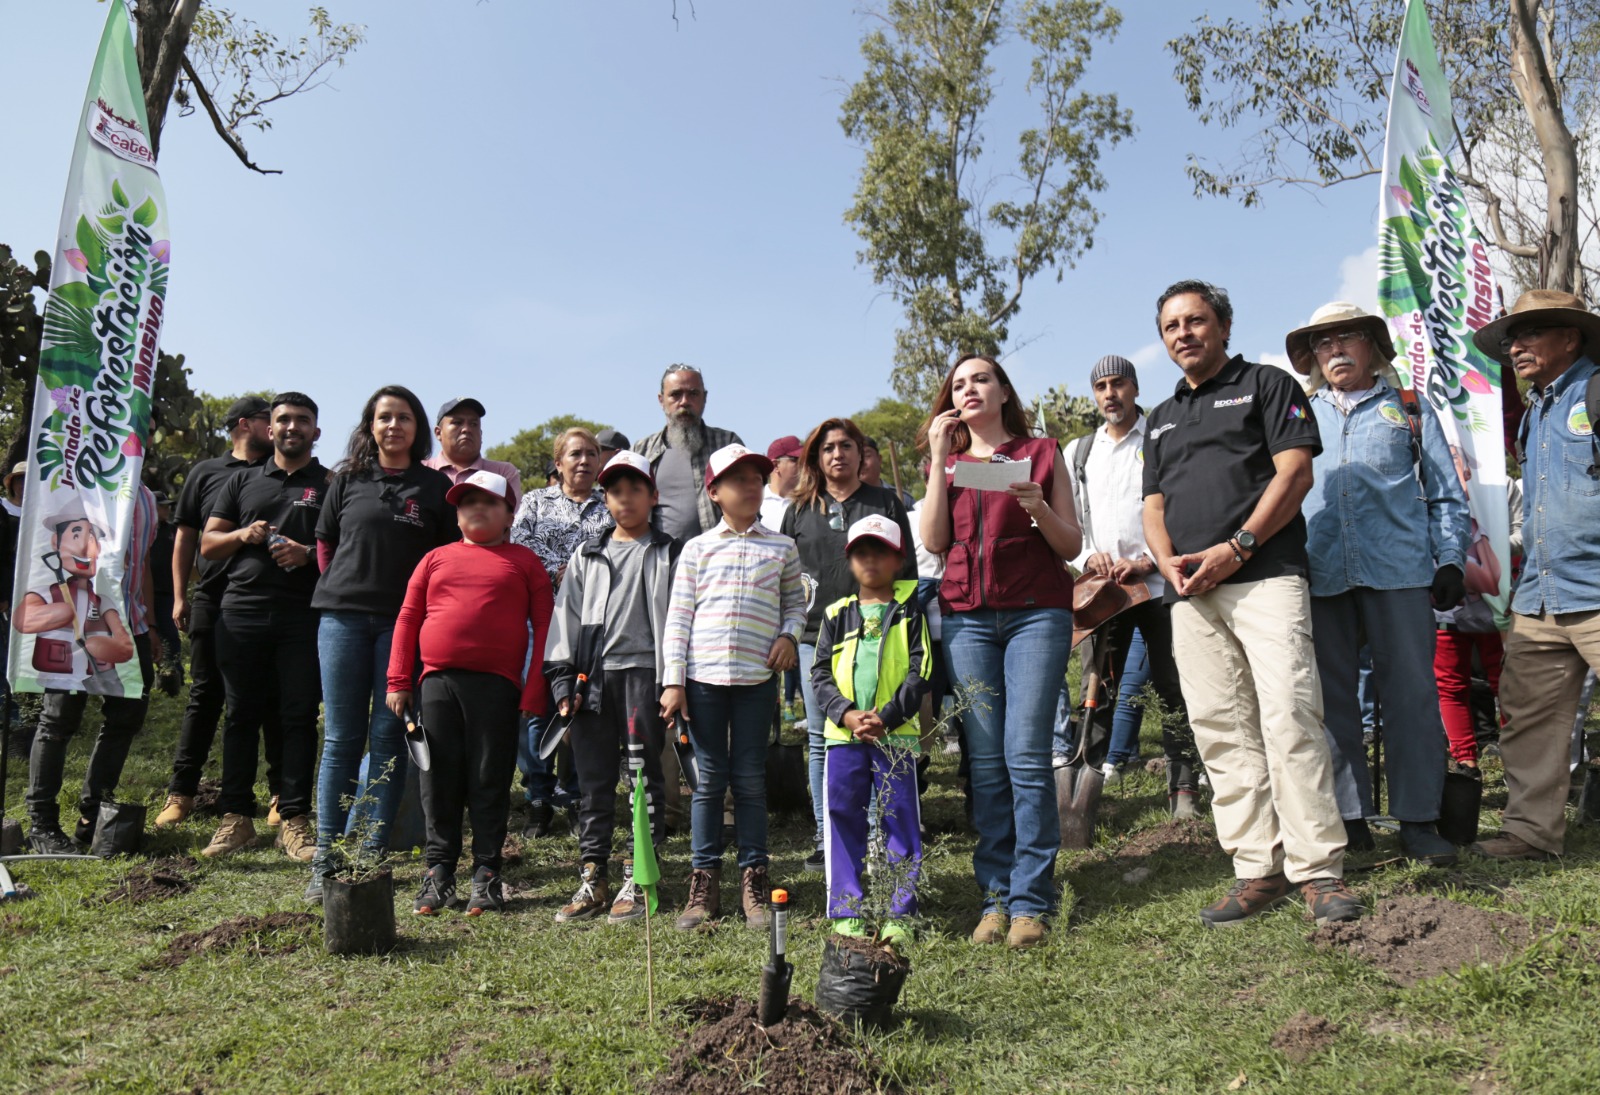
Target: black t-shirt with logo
{"points": [[289, 501], [1208, 452], [380, 525], [195, 503]]}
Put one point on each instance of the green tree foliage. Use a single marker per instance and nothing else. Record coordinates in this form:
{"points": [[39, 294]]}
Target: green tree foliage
{"points": [[532, 449], [1307, 83], [1063, 416], [953, 258], [20, 327]]}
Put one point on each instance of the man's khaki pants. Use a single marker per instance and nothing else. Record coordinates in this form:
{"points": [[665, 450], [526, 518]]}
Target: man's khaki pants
{"points": [[1547, 657], [1249, 678]]}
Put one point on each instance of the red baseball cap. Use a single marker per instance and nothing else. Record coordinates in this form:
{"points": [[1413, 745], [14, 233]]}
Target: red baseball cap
{"points": [[724, 459], [790, 446]]}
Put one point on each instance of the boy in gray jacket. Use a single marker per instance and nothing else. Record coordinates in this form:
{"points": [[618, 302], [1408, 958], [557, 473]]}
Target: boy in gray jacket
{"points": [[604, 668]]}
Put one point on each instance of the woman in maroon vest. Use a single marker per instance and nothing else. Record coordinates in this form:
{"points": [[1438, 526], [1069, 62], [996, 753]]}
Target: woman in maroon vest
{"points": [[1007, 605]]}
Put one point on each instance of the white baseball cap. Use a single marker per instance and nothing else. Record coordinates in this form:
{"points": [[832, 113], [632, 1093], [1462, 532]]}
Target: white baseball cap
{"points": [[625, 461], [726, 457], [875, 527], [493, 482]]}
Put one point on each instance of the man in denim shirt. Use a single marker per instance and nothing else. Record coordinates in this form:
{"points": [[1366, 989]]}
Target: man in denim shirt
{"points": [[1551, 340], [1387, 535]]}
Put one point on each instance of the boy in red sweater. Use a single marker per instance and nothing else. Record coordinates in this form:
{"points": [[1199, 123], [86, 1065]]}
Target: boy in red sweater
{"points": [[470, 604]]}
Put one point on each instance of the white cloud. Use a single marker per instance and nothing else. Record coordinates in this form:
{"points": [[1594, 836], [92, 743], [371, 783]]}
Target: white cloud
{"points": [[1148, 354], [1358, 280]]}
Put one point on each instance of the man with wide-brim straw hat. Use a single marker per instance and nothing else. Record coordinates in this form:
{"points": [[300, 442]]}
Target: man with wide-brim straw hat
{"points": [[1551, 340], [1386, 533]]}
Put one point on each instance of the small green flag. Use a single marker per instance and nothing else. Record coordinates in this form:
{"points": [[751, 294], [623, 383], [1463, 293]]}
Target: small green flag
{"points": [[646, 872]]}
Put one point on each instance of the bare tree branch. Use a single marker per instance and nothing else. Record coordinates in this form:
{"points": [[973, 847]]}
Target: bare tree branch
{"points": [[229, 138]]}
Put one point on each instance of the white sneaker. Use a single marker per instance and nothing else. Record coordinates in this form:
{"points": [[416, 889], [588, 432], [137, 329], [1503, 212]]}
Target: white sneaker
{"points": [[1111, 774]]}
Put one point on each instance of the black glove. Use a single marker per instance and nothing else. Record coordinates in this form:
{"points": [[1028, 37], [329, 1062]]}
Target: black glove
{"points": [[1449, 587]]}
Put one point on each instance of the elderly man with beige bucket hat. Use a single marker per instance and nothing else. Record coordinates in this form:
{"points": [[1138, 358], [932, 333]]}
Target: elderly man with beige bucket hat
{"points": [[1387, 535], [1552, 341]]}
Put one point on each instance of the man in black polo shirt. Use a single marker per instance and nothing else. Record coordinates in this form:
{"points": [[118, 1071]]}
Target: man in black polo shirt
{"points": [[1227, 463], [248, 434], [265, 523]]}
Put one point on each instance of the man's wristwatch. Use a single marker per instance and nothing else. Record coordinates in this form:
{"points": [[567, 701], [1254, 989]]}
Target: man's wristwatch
{"points": [[1247, 541]]}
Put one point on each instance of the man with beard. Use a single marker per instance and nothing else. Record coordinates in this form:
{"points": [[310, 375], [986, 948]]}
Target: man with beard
{"points": [[1553, 341], [264, 523], [248, 433], [1387, 535], [678, 455], [1108, 491]]}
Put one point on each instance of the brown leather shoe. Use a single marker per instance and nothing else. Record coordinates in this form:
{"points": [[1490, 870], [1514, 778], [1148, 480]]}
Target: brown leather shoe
{"points": [[705, 899], [1508, 846], [1026, 931], [1246, 898], [298, 839], [991, 929], [1330, 901], [177, 808], [754, 892], [273, 818], [592, 898]]}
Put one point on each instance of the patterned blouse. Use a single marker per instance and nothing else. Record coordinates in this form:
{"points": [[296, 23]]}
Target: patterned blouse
{"points": [[555, 526]]}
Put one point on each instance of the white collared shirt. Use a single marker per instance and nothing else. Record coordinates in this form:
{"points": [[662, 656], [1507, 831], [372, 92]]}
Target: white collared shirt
{"points": [[1114, 479]]}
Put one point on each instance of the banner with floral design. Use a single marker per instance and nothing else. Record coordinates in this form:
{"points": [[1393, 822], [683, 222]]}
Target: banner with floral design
{"points": [[1436, 289], [91, 408]]}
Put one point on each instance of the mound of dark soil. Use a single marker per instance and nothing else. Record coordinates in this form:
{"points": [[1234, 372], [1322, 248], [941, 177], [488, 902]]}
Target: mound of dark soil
{"points": [[1303, 1036], [729, 1052], [1414, 938], [1190, 836], [205, 798], [161, 878], [275, 933]]}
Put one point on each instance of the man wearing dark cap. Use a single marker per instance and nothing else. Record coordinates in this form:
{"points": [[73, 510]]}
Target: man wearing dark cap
{"points": [[611, 442], [196, 613], [872, 470], [785, 456], [1108, 493], [1553, 342], [459, 428]]}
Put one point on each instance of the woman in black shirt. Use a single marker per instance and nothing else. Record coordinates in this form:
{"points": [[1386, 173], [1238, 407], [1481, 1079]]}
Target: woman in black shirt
{"points": [[382, 513], [828, 498]]}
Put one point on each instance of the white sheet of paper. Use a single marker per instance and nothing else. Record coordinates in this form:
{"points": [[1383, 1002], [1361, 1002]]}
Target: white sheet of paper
{"points": [[992, 476]]}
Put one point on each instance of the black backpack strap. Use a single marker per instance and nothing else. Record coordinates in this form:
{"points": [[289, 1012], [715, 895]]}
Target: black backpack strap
{"points": [[1413, 409]]}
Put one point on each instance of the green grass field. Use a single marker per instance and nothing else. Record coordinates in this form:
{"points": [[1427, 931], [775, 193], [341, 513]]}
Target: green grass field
{"points": [[1132, 994]]}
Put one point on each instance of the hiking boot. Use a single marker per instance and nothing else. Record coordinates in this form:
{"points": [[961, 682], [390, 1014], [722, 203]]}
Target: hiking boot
{"points": [[754, 891], [296, 838], [1183, 805], [236, 833], [1507, 846], [438, 891], [1026, 931], [630, 902], [50, 840], [1358, 835], [541, 818], [1244, 899], [594, 894], [1330, 901], [274, 819], [488, 892], [816, 861], [705, 899], [992, 928], [177, 808], [1421, 842]]}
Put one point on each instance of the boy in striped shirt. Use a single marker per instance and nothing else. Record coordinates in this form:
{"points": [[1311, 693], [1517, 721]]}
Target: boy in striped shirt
{"points": [[733, 628]]}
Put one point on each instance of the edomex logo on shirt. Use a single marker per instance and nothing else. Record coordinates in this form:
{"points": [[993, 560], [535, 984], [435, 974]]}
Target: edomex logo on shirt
{"points": [[1578, 421], [310, 497], [1296, 411], [1238, 401]]}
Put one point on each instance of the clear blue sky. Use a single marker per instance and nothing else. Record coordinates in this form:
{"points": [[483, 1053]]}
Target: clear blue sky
{"points": [[544, 204]]}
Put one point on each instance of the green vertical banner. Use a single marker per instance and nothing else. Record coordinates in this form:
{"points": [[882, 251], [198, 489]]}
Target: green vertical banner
{"points": [[91, 406], [1436, 289]]}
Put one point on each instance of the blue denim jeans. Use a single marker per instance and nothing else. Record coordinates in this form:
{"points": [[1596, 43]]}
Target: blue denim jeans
{"points": [[353, 649], [816, 746], [729, 726], [539, 776], [1017, 658], [1130, 712]]}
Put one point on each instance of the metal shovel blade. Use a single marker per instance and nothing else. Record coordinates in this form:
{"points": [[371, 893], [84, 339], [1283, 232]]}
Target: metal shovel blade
{"points": [[1078, 788], [417, 744], [687, 761], [554, 731]]}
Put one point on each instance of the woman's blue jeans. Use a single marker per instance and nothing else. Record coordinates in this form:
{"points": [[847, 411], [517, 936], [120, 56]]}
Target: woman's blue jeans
{"points": [[1130, 712], [353, 648], [729, 725], [1009, 665], [816, 744]]}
